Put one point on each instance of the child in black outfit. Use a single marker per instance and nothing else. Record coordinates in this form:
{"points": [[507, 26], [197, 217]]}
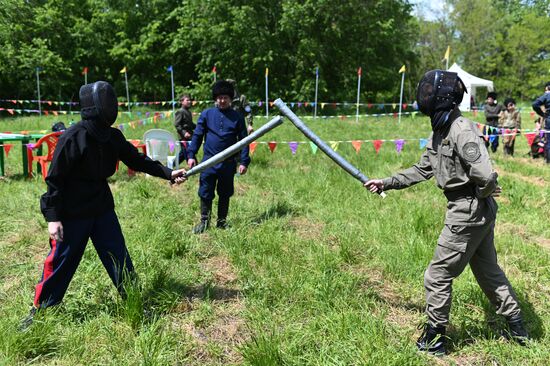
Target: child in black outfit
{"points": [[78, 204]]}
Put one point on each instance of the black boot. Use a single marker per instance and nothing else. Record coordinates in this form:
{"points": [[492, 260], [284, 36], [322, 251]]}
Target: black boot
{"points": [[432, 340], [517, 331], [27, 321], [206, 208], [223, 210]]}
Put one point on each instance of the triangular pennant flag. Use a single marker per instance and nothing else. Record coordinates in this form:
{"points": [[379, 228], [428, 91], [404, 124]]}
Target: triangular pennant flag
{"points": [[272, 145], [413, 114], [530, 138], [7, 148], [171, 146], [293, 147], [334, 145], [313, 147], [405, 105], [532, 114], [357, 145], [252, 147], [377, 144], [369, 106], [492, 138], [323, 105], [423, 143], [399, 145], [393, 105]]}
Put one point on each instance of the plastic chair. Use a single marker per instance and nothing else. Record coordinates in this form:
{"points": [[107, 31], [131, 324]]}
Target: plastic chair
{"points": [[139, 146], [51, 141], [161, 145]]}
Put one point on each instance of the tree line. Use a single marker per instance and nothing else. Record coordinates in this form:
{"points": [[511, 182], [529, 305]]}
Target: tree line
{"points": [[502, 40]]}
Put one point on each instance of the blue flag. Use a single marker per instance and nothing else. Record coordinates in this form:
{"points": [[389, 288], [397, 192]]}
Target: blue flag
{"points": [[317, 71], [170, 69]]}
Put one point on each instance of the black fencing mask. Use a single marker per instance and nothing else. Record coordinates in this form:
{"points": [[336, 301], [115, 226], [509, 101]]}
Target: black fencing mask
{"points": [[438, 93], [98, 108]]}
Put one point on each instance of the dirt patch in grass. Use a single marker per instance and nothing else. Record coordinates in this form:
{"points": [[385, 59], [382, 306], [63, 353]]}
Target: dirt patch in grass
{"points": [[221, 268], [307, 229], [521, 231], [536, 181], [217, 339]]}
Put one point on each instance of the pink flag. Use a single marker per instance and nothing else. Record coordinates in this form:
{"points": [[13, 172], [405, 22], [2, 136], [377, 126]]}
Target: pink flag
{"points": [[293, 147], [171, 146], [377, 144]]}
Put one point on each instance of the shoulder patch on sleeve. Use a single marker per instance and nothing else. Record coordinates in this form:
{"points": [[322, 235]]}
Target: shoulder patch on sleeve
{"points": [[471, 152]]}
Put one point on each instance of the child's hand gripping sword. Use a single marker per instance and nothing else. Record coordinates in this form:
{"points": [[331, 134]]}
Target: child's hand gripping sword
{"points": [[338, 159], [234, 149]]}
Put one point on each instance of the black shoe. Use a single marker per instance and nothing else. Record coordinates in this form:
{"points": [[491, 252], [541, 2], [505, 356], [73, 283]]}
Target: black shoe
{"points": [[516, 330], [222, 224], [432, 340], [27, 321], [201, 227]]}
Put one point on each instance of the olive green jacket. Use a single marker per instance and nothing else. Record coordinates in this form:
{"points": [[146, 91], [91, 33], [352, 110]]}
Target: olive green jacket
{"points": [[460, 163]]}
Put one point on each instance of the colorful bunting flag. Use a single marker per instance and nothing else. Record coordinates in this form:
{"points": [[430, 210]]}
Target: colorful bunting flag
{"points": [[423, 143], [530, 138], [272, 145], [377, 145], [7, 148], [399, 145], [334, 145], [252, 147], [293, 147], [313, 147], [357, 145], [171, 146]]}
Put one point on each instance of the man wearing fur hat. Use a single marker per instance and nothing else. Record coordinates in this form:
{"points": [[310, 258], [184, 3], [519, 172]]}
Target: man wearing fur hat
{"points": [[492, 114], [219, 128]]}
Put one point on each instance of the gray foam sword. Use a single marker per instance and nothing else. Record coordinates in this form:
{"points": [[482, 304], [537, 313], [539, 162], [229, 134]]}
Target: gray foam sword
{"points": [[235, 148], [337, 158]]}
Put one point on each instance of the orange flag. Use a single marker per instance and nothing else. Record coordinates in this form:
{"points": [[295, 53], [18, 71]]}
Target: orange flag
{"points": [[357, 145], [252, 147]]}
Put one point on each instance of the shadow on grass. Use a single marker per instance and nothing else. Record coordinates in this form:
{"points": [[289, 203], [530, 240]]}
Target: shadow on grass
{"points": [[166, 295], [494, 326], [277, 210]]}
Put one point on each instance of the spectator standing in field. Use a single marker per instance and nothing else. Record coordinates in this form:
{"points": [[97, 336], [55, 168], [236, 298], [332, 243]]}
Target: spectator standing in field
{"points": [[219, 128], [544, 102], [510, 123], [184, 125], [458, 159], [492, 112]]}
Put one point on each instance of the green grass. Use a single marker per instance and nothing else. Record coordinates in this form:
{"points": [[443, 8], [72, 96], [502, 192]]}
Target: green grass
{"points": [[313, 271]]}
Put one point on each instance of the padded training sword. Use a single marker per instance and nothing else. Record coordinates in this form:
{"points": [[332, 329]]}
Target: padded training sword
{"points": [[235, 148]]}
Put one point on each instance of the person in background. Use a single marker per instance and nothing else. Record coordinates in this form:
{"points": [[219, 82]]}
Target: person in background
{"points": [[219, 127], [492, 112], [241, 105], [543, 102], [510, 123], [184, 125]]}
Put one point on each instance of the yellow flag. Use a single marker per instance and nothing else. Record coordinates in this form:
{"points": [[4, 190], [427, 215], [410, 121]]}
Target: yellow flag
{"points": [[447, 53], [402, 69], [123, 70], [266, 71]]}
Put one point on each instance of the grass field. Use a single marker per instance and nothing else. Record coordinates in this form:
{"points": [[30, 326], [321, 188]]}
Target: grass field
{"points": [[313, 271]]}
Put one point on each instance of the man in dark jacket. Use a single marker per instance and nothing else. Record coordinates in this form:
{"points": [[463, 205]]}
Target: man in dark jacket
{"points": [[183, 122], [219, 127], [492, 112], [78, 204], [544, 100]]}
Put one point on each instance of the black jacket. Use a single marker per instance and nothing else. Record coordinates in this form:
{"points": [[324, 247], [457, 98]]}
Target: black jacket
{"points": [[77, 178]]}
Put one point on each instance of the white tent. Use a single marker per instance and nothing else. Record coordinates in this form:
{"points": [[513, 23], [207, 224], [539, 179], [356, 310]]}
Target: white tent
{"points": [[471, 82]]}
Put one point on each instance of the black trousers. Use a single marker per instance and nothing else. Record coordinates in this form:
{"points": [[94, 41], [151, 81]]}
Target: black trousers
{"points": [[64, 257]]}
